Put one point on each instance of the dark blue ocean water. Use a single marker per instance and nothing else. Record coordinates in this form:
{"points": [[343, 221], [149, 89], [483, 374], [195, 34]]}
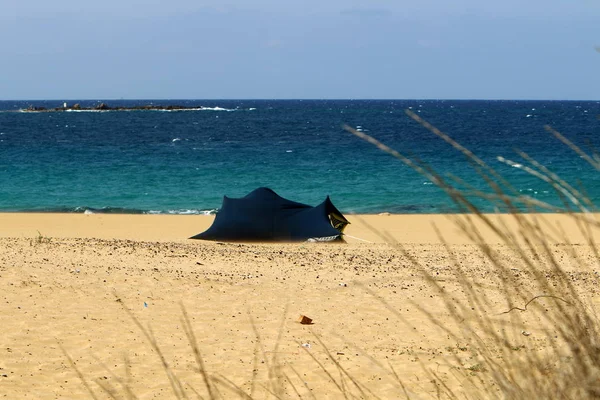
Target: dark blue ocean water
{"points": [[185, 161]]}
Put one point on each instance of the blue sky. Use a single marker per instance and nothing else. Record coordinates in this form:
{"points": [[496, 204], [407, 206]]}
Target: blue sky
{"points": [[142, 49]]}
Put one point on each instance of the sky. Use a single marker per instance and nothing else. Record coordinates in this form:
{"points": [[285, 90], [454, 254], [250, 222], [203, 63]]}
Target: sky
{"points": [[309, 49]]}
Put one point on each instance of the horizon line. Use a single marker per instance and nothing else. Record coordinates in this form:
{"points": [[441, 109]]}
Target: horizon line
{"points": [[294, 99]]}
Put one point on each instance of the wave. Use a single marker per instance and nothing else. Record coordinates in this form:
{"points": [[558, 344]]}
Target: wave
{"points": [[130, 109], [75, 111], [184, 212], [215, 109], [167, 108], [113, 210], [202, 108]]}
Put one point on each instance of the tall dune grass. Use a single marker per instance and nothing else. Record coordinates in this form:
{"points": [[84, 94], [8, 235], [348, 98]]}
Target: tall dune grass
{"points": [[565, 364], [569, 366]]}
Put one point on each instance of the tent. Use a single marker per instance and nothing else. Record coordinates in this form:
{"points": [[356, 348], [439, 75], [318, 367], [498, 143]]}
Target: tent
{"points": [[263, 215]]}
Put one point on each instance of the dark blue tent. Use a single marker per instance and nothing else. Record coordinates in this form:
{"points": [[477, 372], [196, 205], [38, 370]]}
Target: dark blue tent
{"points": [[263, 215]]}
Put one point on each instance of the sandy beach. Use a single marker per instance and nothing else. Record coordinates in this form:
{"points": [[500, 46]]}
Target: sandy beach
{"points": [[67, 279]]}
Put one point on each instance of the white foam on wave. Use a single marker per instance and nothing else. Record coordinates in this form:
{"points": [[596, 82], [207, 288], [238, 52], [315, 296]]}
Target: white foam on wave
{"points": [[176, 139], [185, 212], [192, 212], [202, 108], [85, 111], [215, 109], [530, 190], [508, 162]]}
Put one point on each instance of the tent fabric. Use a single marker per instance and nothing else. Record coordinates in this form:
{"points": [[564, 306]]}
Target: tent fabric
{"points": [[263, 215]]}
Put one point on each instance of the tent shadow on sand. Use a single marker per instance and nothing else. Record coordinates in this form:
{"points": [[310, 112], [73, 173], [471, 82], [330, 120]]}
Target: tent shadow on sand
{"points": [[264, 216]]}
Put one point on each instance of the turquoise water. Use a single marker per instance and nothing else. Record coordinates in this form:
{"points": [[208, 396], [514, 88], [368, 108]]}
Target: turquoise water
{"points": [[185, 161]]}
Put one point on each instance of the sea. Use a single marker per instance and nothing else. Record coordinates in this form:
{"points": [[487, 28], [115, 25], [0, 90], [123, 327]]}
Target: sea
{"points": [[164, 161]]}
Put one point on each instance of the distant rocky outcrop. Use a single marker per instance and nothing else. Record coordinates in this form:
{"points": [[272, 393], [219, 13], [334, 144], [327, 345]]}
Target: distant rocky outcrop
{"points": [[106, 107], [32, 108]]}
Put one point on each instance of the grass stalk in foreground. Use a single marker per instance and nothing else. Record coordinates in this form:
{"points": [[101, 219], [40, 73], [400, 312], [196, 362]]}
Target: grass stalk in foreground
{"points": [[571, 366]]}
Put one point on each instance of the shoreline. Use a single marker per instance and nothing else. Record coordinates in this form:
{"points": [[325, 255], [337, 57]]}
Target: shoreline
{"points": [[363, 228]]}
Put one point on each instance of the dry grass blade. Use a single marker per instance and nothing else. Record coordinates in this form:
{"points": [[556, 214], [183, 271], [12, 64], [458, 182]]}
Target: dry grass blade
{"points": [[275, 376], [570, 330], [124, 385], [561, 187], [361, 388], [78, 372], [524, 308], [227, 383], [291, 383], [176, 385], [494, 179], [198, 395], [187, 326], [322, 367], [127, 384], [304, 383], [573, 147], [257, 348], [448, 391], [108, 389], [391, 367], [406, 160]]}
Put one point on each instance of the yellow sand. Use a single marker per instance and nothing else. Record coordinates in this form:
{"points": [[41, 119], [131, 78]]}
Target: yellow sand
{"points": [[65, 281]]}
